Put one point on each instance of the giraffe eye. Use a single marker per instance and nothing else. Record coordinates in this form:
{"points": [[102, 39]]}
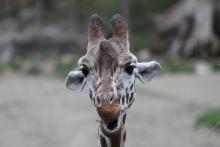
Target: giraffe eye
{"points": [[85, 70], [129, 69]]}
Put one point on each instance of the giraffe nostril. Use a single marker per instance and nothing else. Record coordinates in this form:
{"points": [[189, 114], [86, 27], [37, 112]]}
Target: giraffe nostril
{"points": [[111, 100], [98, 100]]}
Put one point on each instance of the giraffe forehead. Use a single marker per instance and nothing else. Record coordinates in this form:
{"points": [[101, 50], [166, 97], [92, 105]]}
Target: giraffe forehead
{"points": [[112, 52], [107, 53], [107, 60]]}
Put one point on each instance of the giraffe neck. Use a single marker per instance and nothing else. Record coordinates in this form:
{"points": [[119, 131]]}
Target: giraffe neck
{"points": [[116, 139]]}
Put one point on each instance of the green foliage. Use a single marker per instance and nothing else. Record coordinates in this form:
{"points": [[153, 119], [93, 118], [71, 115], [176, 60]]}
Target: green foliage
{"points": [[216, 67], [29, 66], [2, 67], [139, 15], [161, 6], [210, 119], [140, 41], [141, 12], [62, 69], [105, 8], [179, 67], [141, 27], [15, 64], [33, 68]]}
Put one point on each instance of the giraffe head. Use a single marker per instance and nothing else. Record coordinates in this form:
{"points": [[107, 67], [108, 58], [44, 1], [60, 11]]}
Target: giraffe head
{"points": [[109, 71]]}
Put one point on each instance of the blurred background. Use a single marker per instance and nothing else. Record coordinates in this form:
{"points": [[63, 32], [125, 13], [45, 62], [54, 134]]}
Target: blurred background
{"points": [[41, 41]]}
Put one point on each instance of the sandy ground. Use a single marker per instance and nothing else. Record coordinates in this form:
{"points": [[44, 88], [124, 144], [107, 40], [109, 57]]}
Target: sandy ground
{"points": [[41, 112]]}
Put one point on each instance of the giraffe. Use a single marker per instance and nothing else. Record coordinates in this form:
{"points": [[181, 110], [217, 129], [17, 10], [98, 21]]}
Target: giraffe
{"points": [[109, 69]]}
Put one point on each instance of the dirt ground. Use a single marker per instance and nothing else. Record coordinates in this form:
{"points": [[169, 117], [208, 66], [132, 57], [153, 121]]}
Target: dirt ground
{"points": [[41, 112]]}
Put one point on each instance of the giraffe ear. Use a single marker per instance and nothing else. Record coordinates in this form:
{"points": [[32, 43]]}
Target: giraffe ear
{"points": [[146, 71], [75, 80]]}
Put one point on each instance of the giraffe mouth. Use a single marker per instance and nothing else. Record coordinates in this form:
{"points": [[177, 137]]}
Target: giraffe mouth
{"points": [[108, 113], [110, 116], [113, 124]]}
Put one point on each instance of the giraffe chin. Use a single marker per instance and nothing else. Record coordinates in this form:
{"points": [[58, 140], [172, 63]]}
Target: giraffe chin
{"points": [[113, 124], [111, 127]]}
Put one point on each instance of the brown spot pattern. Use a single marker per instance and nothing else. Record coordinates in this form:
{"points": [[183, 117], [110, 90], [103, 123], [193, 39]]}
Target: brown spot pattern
{"points": [[103, 141], [116, 139]]}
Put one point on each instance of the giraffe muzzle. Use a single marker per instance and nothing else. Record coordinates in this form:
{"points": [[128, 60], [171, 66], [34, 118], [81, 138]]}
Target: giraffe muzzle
{"points": [[106, 97], [100, 101], [109, 112]]}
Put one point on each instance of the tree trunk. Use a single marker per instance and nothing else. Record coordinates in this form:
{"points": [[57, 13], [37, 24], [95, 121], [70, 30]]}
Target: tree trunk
{"points": [[197, 27]]}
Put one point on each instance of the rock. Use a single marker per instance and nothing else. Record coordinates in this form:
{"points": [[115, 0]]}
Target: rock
{"points": [[203, 69]]}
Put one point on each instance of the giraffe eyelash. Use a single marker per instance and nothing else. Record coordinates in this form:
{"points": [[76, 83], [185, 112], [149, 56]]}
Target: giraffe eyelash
{"points": [[130, 68], [84, 69]]}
